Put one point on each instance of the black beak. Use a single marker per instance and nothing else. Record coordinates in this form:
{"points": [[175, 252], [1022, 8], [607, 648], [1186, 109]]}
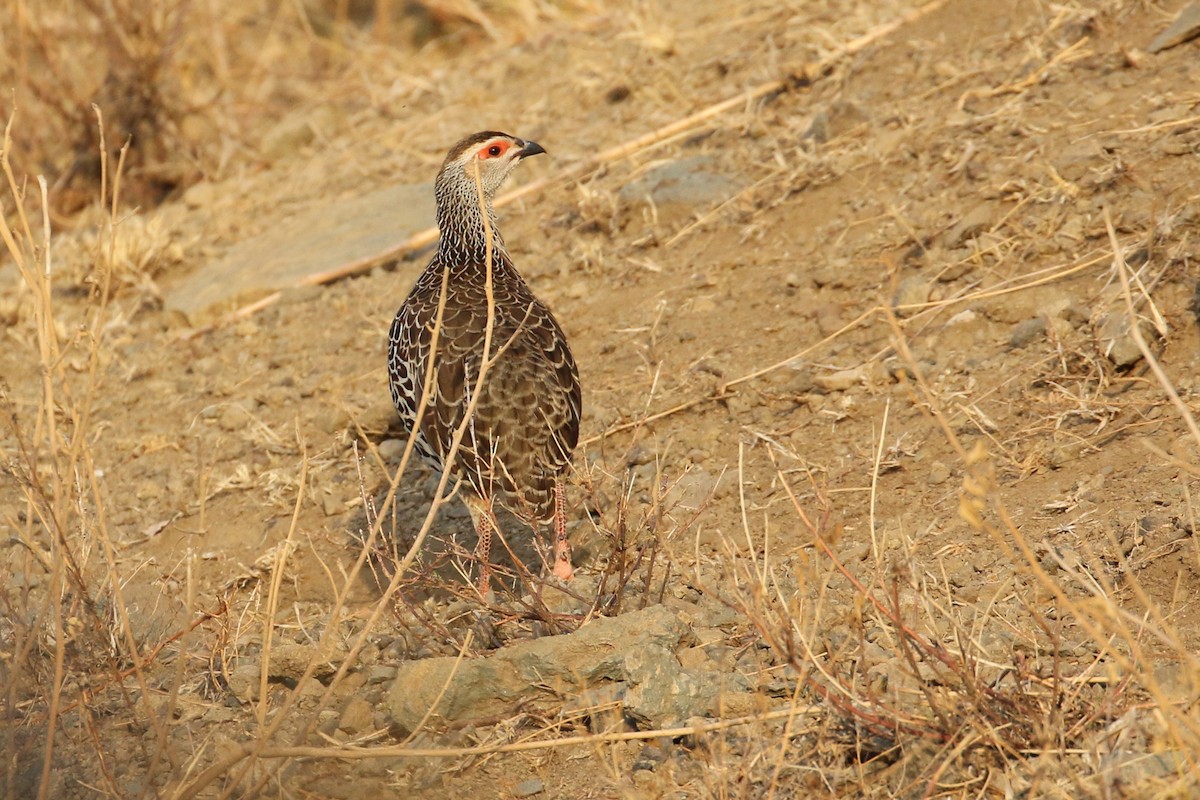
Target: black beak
{"points": [[531, 149]]}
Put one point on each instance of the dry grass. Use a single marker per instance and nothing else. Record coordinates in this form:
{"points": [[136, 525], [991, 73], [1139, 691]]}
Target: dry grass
{"points": [[1066, 678]]}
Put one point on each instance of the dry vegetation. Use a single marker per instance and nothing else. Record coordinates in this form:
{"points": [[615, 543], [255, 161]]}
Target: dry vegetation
{"points": [[900, 427]]}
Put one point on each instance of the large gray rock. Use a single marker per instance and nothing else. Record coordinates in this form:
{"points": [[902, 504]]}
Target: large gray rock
{"points": [[676, 190], [635, 650], [327, 236]]}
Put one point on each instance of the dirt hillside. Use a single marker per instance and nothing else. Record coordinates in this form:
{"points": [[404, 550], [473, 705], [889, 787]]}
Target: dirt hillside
{"points": [[889, 370]]}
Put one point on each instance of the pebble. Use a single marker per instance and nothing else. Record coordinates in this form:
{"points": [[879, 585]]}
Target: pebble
{"points": [[333, 420], [528, 788], [834, 275], [332, 505], [381, 673], [938, 473], [912, 291], [1116, 339], [244, 682], [1184, 27], [829, 319], [233, 417], [201, 195], [963, 317], [843, 380], [1027, 331], [391, 450], [973, 222], [956, 269], [356, 716]]}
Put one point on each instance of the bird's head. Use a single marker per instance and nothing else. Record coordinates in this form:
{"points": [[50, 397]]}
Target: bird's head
{"points": [[491, 155]]}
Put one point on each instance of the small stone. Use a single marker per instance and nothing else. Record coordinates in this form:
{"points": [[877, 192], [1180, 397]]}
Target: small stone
{"points": [[381, 673], [833, 275], [843, 380], [356, 716], [649, 758], [528, 788], [391, 450], [244, 681], [1184, 27], [972, 223], [955, 270], [332, 505], [334, 420], [1025, 332], [247, 329], [233, 417], [938, 473], [1177, 147], [201, 195], [1117, 340], [912, 293], [829, 319]]}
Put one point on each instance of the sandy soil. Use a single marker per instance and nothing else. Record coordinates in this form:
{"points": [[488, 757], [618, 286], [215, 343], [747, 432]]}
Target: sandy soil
{"points": [[742, 375]]}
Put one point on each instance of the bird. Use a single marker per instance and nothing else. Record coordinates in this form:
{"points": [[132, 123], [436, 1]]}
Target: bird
{"points": [[480, 370]]}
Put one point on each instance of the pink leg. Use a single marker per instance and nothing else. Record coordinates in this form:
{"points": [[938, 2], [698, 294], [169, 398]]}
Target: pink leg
{"points": [[562, 548], [482, 515]]}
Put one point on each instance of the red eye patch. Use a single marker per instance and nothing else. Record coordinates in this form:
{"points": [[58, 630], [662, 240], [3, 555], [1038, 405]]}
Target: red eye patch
{"points": [[494, 149]]}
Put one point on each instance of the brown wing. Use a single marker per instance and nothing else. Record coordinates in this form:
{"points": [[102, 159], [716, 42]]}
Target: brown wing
{"points": [[526, 422]]}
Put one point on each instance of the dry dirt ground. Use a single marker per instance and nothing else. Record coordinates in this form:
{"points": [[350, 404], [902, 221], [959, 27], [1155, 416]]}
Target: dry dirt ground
{"points": [[863, 408]]}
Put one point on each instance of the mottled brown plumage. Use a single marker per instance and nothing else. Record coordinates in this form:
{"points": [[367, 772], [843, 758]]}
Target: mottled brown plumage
{"points": [[516, 446]]}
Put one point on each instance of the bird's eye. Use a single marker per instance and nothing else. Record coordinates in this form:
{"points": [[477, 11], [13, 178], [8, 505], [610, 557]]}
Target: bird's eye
{"points": [[494, 150]]}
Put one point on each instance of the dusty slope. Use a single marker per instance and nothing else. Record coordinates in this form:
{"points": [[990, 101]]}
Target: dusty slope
{"points": [[961, 167]]}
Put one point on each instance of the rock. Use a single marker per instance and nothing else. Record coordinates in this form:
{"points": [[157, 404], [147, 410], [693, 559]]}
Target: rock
{"points": [[1116, 339], [912, 293], [1184, 27], [938, 473], [333, 419], [838, 118], [1136, 768], [332, 505], [528, 788], [244, 681], [975, 221], [391, 450], [663, 694], [233, 417], [1027, 331], [637, 648], [834, 275], [201, 195], [843, 380], [356, 716], [829, 319], [964, 317], [648, 759], [290, 660], [381, 673], [673, 191], [956, 268], [298, 245]]}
